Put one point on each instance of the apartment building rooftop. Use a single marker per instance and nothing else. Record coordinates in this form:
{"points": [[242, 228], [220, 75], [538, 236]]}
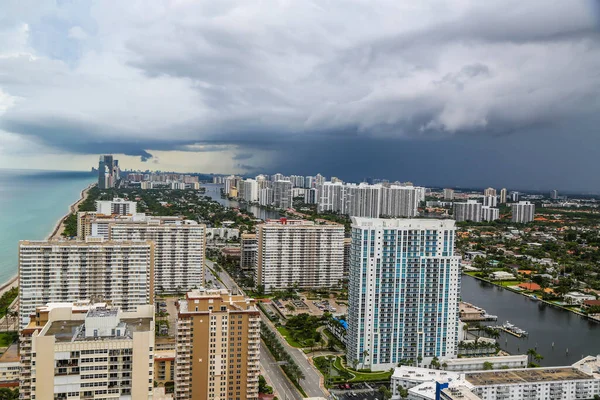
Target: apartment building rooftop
{"points": [[530, 375], [72, 331], [427, 223]]}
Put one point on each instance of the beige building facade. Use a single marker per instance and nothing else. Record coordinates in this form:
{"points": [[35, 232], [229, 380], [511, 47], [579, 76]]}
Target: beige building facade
{"points": [[218, 345], [299, 253], [68, 271], [88, 351]]}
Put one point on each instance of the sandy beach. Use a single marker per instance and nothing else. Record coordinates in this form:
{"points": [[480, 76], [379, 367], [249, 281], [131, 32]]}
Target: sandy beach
{"points": [[60, 226]]}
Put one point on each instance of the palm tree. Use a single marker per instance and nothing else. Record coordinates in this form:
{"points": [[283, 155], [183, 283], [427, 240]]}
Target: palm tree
{"points": [[365, 355], [531, 354]]}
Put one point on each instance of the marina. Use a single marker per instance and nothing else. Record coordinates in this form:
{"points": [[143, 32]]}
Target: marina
{"points": [[561, 337], [511, 329]]}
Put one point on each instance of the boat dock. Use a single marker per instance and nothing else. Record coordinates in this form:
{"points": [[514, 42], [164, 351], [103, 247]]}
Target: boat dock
{"points": [[471, 313], [511, 330]]}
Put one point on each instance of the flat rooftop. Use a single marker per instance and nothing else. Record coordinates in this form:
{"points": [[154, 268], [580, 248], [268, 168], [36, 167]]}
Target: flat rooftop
{"points": [[70, 330], [531, 375], [11, 354]]}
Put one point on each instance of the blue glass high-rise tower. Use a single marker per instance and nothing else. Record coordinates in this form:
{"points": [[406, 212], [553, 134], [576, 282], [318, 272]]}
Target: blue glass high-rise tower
{"points": [[403, 292]]}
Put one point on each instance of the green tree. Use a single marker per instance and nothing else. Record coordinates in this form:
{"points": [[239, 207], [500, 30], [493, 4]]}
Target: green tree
{"points": [[487, 366]]}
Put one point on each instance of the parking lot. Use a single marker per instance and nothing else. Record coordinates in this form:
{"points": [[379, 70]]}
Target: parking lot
{"points": [[312, 307], [357, 395]]}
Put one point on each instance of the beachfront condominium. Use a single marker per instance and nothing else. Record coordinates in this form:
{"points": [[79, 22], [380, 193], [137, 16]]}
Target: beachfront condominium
{"points": [[403, 292], [91, 223], [299, 253], [87, 351], [179, 250], [467, 211], [218, 345], [67, 271], [116, 206], [523, 212]]}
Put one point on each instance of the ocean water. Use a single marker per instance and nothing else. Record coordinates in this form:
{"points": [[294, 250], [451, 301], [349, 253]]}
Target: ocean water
{"points": [[31, 202]]}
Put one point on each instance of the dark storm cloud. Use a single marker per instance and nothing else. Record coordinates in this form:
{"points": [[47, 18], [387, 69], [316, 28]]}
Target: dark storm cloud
{"points": [[306, 82]]}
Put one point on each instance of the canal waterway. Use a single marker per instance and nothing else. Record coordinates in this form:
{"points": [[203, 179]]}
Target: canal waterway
{"points": [[214, 192], [544, 323]]}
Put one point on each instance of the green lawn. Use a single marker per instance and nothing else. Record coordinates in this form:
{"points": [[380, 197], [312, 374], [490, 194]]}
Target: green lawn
{"points": [[7, 338], [359, 376], [286, 334]]}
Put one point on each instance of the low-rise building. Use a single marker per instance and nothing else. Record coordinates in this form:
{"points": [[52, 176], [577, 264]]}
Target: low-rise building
{"points": [[10, 367], [578, 297], [479, 363], [502, 276], [164, 369]]}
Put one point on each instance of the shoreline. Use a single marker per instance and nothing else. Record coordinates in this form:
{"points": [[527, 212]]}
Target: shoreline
{"points": [[56, 232], [534, 299], [13, 282]]}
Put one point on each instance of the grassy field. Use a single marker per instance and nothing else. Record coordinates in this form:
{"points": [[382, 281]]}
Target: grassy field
{"points": [[286, 334], [358, 376]]}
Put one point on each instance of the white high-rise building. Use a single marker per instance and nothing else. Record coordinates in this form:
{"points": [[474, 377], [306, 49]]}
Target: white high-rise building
{"points": [[400, 201], [179, 251], [69, 271], [297, 181], [319, 179], [403, 292], [523, 212], [265, 197], [250, 190], [514, 196], [309, 182], [448, 194], [88, 351], [503, 193], [331, 197], [490, 201], [299, 253], [310, 196], [467, 211], [554, 194], [277, 177], [116, 206], [489, 192], [489, 213], [363, 200], [177, 186], [282, 194]]}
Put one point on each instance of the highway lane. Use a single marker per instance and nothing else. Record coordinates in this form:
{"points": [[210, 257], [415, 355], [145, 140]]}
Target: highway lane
{"points": [[312, 377], [284, 389]]}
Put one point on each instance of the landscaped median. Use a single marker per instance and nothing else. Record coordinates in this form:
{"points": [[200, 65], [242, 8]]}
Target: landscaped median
{"points": [[335, 372]]}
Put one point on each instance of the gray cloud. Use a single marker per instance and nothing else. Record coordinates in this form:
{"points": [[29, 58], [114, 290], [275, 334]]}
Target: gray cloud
{"points": [[235, 76]]}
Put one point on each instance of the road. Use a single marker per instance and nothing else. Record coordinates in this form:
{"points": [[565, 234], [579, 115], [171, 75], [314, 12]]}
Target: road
{"points": [[276, 378], [312, 377]]}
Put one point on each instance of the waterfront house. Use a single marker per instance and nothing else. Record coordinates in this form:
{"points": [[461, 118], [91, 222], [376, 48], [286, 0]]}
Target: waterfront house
{"points": [[590, 303], [502, 276], [578, 297], [530, 286]]}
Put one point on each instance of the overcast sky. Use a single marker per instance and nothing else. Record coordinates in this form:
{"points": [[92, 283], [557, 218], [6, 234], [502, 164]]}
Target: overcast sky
{"points": [[450, 93]]}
